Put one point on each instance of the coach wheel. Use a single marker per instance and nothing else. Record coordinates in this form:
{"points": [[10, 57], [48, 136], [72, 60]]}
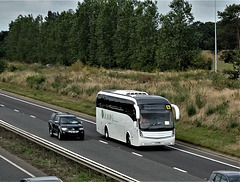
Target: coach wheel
{"points": [[128, 140], [106, 133]]}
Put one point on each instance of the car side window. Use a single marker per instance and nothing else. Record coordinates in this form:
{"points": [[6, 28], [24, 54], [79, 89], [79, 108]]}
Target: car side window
{"points": [[217, 178], [52, 116], [56, 118], [223, 179]]}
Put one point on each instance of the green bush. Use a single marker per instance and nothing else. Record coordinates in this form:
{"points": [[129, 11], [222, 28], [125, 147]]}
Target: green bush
{"points": [[210, 110], [197, 123], [191, 110], [200, 62], [35, 81], [199, 101], [220, 109], [3, 65]]}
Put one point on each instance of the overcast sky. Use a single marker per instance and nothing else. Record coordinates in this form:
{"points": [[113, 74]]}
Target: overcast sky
{"points": [[203, 10]]}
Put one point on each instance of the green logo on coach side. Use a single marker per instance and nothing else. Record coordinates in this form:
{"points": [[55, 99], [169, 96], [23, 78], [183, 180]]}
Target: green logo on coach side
{"points": [[108, 116], [102, 114]]}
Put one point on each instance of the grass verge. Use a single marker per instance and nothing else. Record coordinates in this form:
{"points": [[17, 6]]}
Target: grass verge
{"points": [[48, 161], [213, 139], [208, 101]]}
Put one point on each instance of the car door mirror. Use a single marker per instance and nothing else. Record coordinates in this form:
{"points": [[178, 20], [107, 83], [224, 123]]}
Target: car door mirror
{"points": [[56, 122]]}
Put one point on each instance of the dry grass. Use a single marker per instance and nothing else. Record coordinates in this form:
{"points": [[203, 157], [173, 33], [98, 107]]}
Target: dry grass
{"points": [[217, 103]]}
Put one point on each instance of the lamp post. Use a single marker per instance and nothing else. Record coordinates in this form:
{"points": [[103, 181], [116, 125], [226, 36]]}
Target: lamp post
{"points": [[215, 37]]}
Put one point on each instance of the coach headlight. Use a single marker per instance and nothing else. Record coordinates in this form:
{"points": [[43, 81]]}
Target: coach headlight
{"points": [[64, 129]]}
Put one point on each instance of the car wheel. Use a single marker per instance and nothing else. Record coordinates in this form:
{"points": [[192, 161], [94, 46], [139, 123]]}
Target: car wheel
{"points": [[60, 137], [81, 137], [51, 132]]}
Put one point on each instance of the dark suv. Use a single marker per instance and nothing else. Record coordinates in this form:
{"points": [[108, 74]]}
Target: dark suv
{"points": [[65, 124]]}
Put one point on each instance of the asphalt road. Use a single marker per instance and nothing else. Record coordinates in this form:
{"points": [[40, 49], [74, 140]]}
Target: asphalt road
{"points": [[178, 163], [14, 169]]}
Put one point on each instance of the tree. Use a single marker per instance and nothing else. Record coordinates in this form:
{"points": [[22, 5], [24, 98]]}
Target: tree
{"points": [[3, 35], [233, 57], [22, 40], [82, 33], [47, 40], [206, 30], [144, 36], [3, 65], [121, 38], [106, 24], [231, 15], [177, 44]]}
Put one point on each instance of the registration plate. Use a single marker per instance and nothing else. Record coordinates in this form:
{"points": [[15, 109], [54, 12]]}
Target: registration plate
{"points": [[72, 131]]}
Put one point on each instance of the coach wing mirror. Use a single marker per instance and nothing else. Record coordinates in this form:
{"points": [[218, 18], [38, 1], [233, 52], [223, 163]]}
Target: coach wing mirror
{"points": [[137, 112], [177, 111]]}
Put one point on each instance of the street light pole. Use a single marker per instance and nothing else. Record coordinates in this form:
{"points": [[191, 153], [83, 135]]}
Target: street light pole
{"points": [[215, 37]]}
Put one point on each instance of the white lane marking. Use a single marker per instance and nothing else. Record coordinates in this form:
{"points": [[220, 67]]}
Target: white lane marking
{"points": [[63, 150], [180, 169], [32, 116], [1, 105], [139, 155], [53, 110], [95, 124], [16, 110], [28, 173], [103, 142], [207, 158]]}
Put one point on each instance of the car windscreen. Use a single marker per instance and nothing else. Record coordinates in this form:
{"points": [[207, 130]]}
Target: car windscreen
{"points": [[69, 120]]}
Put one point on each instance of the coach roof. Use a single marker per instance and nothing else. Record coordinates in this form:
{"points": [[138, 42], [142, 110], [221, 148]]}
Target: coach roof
{"points": [[139, 96]]}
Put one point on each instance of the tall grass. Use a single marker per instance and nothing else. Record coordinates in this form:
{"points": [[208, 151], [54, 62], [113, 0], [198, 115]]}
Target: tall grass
{"points": [[205, 99]]}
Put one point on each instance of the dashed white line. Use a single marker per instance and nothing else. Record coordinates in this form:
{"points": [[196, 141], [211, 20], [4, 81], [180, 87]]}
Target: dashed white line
{"points": [[16, 110], [1, 105], [203, 157], [103, 142], [139, 155], [32, 116], [191, 153], [43, 107], [180, 169]]}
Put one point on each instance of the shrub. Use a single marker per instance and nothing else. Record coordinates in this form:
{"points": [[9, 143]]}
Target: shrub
{"points": [[197, 123], [210, 110], [3, 65], [221, 109], [191, 110], [199, 101], [200, 62], [35, 81], [12, 68]]}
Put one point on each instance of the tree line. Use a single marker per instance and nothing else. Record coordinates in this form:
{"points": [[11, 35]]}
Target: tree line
{"points": [[127, 34]]}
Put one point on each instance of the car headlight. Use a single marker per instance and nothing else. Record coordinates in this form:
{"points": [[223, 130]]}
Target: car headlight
{"points": [[64, 129], [81, 129]]}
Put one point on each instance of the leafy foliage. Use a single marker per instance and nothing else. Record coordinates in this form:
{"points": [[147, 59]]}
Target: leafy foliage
{"points": [[231, 16], [232, 57], [177, 40], [35, 81], [3, 65], [127, 34]]}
